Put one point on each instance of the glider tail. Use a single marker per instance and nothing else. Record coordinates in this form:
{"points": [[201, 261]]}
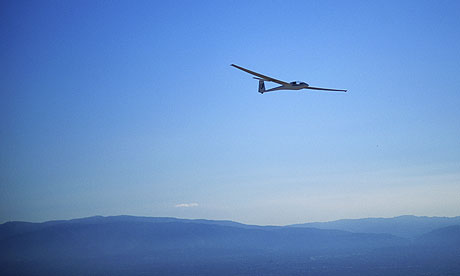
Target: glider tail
{"points": [[261, 86]]}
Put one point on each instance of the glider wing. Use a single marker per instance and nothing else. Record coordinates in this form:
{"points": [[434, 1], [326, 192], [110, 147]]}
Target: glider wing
{"points": [[325, 89], [266, 78]]}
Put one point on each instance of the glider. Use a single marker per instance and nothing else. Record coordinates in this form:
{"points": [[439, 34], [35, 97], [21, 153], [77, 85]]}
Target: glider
{"points": [[295, 85]]}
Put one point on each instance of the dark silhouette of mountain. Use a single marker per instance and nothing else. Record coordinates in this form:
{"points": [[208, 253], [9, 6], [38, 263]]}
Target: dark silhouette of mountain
{"points": [[17, 227], [402, 226], [445, 237], [147, 233], [127, 245]]}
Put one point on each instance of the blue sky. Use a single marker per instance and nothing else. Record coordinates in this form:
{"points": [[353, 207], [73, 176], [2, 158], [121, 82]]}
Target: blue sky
{"points": [[131, 107]]}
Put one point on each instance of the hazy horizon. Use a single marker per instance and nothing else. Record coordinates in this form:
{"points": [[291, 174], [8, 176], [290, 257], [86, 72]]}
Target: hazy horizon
{"points": [[217, 219]]}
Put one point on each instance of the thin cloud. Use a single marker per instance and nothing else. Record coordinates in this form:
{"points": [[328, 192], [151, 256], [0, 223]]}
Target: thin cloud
{"points": [[186, 205]]}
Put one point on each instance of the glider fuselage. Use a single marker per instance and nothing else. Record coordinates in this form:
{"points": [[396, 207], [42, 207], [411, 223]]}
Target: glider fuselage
{"points": [[291, 86]]}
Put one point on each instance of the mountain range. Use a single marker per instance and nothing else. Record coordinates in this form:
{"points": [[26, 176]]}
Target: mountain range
{"points": [[128, 245], [402, 226]]}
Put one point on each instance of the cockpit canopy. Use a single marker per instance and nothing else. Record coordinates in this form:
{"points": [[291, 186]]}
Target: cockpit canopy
{"points": [[297, 83]]}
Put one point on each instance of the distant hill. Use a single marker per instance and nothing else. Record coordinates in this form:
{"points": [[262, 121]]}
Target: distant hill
{"points": [[110, 243], [446, 236], [16, 227], [127, 245], [98, 233], [402, 226]]}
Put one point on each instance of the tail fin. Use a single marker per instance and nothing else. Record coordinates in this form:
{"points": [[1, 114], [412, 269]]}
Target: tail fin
{"points": [[261, 86]]}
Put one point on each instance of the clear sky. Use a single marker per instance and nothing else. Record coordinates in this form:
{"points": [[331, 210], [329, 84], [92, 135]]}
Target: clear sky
{"points": [[131, 107]]}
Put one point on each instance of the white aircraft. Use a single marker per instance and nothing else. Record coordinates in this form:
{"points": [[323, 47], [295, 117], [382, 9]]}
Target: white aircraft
{"points": [[295, 85]]}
